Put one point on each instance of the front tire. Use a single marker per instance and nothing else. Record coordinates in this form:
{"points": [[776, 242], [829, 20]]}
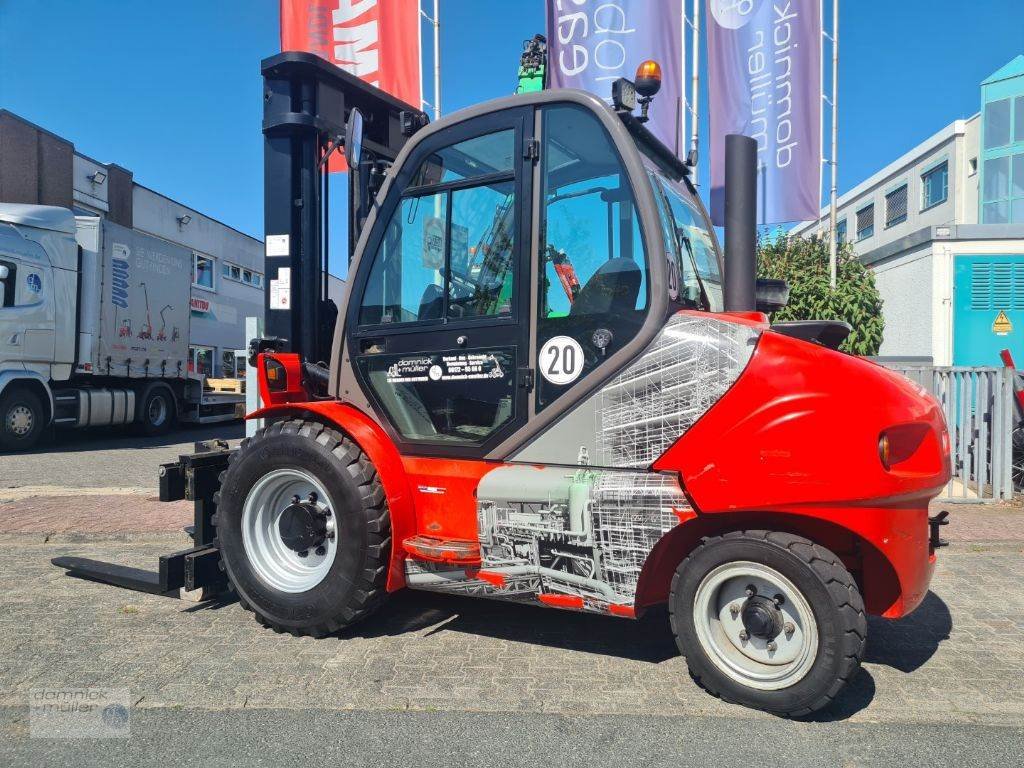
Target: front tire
{"points": [[768, 620], [22, 419], [310, 565]]}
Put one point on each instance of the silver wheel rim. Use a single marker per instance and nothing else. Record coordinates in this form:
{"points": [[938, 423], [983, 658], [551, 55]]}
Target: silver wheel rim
{"points": [[20, 420], [157, 411], [752, 661], [276, 564]]}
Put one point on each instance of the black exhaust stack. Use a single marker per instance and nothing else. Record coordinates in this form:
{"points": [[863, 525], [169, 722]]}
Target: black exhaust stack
{"points": [[740, 223]]}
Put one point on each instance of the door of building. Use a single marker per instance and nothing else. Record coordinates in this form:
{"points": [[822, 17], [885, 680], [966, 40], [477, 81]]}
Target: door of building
{"points": [[988, 312]]}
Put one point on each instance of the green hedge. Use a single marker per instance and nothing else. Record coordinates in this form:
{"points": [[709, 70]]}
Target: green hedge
{"points": [[803, 263]]}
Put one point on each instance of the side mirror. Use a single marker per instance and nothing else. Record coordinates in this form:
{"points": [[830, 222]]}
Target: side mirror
{"points": [[354, 138], [771, 295]]}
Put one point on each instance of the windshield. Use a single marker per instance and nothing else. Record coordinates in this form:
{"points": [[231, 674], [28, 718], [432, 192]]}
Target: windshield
{"points": [[695, 255]]}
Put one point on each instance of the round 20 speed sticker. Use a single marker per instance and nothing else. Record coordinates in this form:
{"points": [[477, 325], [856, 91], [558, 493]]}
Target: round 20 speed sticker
{"points": [[561, 360]]}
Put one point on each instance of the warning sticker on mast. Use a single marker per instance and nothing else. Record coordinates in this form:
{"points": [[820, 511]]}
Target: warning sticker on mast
{"points": [[376, 40]]}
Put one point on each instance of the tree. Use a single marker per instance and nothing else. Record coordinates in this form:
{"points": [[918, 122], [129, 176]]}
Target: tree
{"points": [[803, 263]]}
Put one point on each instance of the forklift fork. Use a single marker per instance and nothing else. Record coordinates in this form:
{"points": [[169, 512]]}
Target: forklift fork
{"points": [[196, 477]]}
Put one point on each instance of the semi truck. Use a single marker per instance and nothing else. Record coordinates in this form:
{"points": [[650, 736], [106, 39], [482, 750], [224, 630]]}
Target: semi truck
{"points": [[94, 328], [547, 384]]}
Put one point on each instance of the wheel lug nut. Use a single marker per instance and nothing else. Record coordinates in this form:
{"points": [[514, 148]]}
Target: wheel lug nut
{"points": [[744, 636], [321, 551], [734, 609], [772, 646], [779, 600], [296, 499], [327, 513], [788, 628], [751, 590], [304, 553], [312, 497]]}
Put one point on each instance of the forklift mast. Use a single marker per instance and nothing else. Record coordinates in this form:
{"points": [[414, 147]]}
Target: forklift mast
{"points": [[306, 104]]}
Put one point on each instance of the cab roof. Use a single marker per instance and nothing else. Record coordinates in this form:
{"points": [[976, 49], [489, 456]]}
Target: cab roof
{"points": [[40, 216]]}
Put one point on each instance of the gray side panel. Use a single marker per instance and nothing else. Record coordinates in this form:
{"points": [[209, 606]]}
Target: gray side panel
{"points": [[572, 538], [130, 333], [639, 413]]}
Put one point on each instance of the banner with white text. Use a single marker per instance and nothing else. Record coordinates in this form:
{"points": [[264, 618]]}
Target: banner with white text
{"points": [[591, 43], [764, 67], [376, 40]]}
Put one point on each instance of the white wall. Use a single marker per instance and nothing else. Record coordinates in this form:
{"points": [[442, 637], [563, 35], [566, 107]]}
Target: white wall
{"points": [[83, 190], [905, 285]]}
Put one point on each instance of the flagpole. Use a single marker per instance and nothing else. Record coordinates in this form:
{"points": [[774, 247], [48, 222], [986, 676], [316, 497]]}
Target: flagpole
{"points": [[695, 88], [437, 61], [833, 246], [435, 21], [419, 45], [683, 106]]}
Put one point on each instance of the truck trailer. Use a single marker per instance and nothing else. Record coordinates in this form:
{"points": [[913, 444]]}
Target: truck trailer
{"points": [[94, 328], [547, 384]]}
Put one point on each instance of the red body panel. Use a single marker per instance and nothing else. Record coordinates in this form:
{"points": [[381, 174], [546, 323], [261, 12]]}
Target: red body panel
{"points": [[445, 495], [798, 434]]}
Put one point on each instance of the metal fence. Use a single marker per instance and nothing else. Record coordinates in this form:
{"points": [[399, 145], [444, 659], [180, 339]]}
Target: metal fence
{"points": [[980, 412]]}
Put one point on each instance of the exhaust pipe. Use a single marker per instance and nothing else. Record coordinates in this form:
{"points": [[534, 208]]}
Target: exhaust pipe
{"points": [[740, 223]]}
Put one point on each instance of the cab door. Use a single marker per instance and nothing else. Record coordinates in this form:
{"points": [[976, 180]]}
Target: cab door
{"points": [[438, 322]]}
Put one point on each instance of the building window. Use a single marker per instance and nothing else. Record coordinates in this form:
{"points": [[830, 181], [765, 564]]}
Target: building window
{"points": [[1003, 190], [227, 364], [202, 271], [997, 123], [896, 206], [240, 275], [200, 360], [866, 222], [841, 233], [934, 186], [1018, 119]]}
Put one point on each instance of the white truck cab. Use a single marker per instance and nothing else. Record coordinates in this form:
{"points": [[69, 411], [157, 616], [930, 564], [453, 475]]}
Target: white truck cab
{"points": [[94, 328]]}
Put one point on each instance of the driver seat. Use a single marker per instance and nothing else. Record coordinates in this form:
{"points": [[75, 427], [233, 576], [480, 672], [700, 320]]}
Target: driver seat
{"points": [[612, 290]]}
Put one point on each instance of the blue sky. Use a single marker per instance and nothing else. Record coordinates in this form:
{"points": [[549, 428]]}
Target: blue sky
{"points": [[172, 90]]}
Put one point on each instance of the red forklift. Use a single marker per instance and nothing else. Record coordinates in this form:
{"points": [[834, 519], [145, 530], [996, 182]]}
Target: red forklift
{"points": [[547, 384]]}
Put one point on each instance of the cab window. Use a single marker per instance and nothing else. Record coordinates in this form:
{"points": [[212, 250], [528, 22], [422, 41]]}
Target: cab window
{"points": [[683, 286], [593, 294], [698, 241], [448, 251], [8, 281]]}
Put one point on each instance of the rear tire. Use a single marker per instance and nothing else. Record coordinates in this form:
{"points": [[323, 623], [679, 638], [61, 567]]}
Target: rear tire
{"points": [[22, 418], [156, 411], [316, 593], [790, 657]]}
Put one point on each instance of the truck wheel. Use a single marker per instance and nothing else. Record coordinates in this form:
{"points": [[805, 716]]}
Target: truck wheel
{"points": [[303, 528], [156, 411], [22, 419], [768, 620]]}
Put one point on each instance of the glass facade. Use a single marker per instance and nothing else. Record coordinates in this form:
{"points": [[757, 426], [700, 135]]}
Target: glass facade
{"points": [[1002, 152]]}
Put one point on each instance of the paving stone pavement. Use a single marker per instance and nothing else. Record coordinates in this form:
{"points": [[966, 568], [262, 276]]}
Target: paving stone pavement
{"points": [[960, 657]]}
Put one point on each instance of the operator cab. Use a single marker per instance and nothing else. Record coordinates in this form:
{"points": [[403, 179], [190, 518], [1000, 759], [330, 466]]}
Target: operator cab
{"points": [[518, 252]]}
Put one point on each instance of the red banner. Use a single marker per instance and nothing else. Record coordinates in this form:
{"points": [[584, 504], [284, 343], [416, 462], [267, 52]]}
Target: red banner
{"points": [[376, 40]]}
